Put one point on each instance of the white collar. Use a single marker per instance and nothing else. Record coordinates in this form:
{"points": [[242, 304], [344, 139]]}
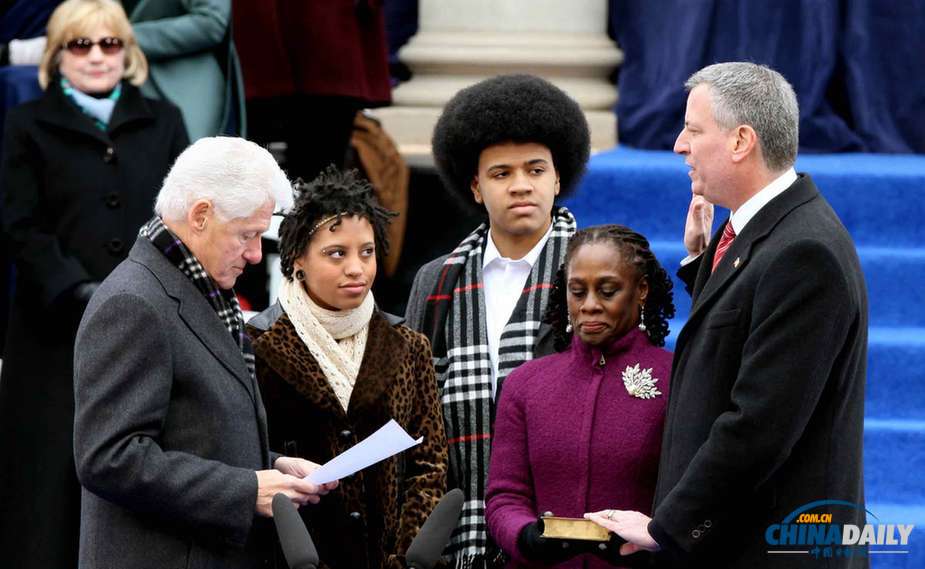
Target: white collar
{"points": [[747, 211], [492, 253]]}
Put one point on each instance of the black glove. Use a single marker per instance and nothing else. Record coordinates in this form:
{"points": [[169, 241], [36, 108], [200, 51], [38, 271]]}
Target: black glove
{"points": [[609, 551], [535, 547]]}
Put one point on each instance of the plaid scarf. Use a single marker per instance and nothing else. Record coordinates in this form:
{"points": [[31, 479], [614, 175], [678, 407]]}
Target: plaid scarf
{"points": [[454, 319], [224, 302]]}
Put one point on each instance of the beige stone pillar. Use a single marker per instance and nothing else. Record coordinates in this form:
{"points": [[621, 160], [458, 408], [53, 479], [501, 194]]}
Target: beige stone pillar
{"points": [[461, 42]]}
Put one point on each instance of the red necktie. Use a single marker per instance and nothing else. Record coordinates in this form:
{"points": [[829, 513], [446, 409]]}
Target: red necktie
{"points": [[724, 242]]}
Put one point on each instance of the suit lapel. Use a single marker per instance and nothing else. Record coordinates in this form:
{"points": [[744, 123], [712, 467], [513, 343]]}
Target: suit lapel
{"points": [[58, 111], [703, 273], [708, 287], [205, 324], [130, 107], [195, 312]]}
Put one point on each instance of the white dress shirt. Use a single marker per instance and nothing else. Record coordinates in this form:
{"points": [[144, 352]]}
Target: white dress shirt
{"points": [[747, 211], [740, 217], [503, 282]]}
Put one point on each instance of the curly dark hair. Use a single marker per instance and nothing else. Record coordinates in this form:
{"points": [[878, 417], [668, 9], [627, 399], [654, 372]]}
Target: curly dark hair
{"points": [[509, 108], [333, 192], [634, 248]]}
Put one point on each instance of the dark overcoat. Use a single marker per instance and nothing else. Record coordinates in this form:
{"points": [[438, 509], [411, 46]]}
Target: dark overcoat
{"points": [[766, 411], [169, 428], [74, 199], [369, 521]]}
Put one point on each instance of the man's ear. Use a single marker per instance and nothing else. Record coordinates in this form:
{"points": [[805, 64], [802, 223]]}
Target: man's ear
{"points": [[199, 215], [744, 142], [476, 192]]}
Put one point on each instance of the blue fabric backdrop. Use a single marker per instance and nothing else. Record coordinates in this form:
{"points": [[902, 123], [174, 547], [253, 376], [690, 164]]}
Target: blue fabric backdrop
{"points": [[24, 19], [857, 65]]}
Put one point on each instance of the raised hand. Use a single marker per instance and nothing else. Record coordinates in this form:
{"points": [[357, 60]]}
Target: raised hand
{"points": [[697, 228]]}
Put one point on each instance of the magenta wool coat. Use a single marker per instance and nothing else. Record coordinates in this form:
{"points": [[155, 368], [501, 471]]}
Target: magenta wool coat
{"points": [[569, 439]]}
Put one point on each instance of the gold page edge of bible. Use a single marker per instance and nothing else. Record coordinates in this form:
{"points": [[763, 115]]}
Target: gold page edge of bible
{"points": [[574, 528]]}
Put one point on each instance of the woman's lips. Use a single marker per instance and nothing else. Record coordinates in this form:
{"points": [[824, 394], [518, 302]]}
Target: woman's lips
{"points": [[352, 288], [592, 327]]}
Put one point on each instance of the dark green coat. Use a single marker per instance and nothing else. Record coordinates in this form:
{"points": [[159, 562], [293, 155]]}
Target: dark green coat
{"points": [[193, 62]]}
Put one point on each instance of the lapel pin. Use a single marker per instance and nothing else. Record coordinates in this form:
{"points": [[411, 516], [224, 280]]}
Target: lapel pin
{"points": [[735, 264]]}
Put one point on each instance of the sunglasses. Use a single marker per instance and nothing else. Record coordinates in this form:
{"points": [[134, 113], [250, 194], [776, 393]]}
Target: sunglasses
{"points": [[82, 46]]}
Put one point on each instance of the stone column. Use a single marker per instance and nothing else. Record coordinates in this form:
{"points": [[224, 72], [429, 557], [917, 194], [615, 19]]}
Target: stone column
{"points": [[461, 42]]}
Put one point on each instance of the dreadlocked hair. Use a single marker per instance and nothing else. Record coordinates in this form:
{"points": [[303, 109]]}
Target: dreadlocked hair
{"points": [[333, 193], [634, 249]]}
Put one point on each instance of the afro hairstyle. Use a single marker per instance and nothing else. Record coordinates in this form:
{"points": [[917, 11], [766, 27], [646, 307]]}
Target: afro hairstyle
{"points": [[509, 108], [332, 193]]}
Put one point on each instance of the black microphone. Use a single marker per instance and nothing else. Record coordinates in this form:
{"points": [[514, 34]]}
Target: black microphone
{"points": [[297, 544], [427, 546]]}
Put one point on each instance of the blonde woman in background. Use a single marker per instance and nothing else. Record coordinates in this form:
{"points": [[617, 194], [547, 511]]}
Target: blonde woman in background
{"points": [[79, 172]]}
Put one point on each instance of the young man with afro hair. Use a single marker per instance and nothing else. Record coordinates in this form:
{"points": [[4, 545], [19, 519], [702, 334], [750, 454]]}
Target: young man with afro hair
{"points": [[514, 143]]}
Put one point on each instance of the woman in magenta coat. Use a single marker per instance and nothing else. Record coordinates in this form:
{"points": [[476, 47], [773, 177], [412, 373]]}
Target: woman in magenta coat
{"points": [[580, 430]]}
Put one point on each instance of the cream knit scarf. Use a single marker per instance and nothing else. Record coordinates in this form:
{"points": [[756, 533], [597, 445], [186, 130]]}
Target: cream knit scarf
{"points": [[336, 338]]}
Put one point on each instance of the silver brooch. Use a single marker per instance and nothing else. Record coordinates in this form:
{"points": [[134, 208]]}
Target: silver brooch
{"points": [[640, 383]]}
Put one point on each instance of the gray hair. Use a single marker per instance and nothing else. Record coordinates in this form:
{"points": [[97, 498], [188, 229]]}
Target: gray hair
{"points": [[236, 175], [757, 96]]}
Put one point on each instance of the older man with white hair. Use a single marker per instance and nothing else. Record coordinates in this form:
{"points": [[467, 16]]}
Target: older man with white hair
{"points": [[170, 436]]}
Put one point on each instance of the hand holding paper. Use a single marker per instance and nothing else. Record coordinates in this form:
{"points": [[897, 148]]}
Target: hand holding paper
{"points": [[388, 441]]}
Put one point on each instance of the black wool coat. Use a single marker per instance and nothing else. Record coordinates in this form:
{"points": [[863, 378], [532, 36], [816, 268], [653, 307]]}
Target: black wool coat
{"points": [[74, 198], [766, 412]]}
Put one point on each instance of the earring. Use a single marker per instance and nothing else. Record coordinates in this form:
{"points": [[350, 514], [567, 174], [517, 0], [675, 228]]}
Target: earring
{"points": [[642, 318], [568, 327], [300, 275]]}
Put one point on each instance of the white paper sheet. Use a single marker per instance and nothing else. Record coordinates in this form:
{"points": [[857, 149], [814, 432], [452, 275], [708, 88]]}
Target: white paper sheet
{"points": [[388, 441]]}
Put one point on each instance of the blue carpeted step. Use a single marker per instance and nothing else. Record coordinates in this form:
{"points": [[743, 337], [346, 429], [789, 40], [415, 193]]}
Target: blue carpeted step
{"points": [[899, 513], [895, 376], [877, 196], [649, 191], [894, 285], [894, 460], [893, 278]]}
